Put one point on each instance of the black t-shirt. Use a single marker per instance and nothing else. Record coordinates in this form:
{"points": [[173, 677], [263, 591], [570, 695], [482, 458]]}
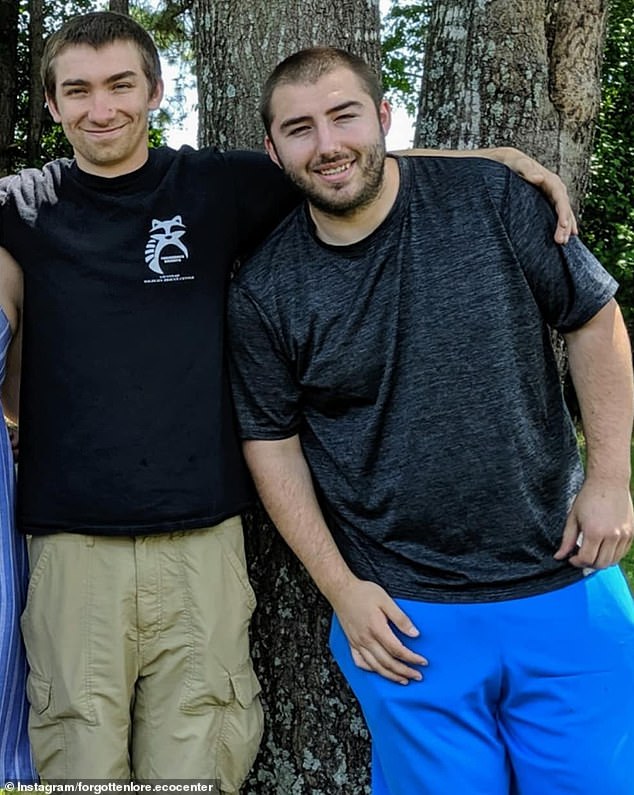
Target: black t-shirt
{"points": [[126, 420], [417, 369]]}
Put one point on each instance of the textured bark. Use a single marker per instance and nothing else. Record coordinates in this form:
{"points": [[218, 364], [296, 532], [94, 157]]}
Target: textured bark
{"points": [[35, 120], [315, 740], [121, 6], [238, 42], [8, 79], [519, 72]]}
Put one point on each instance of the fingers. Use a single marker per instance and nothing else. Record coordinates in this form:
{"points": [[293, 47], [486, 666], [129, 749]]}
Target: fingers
{"points": [[389, 658], [400, 619], [601, 553], [569, 539], [556, 191], [566, 223], [562, 233], [371, 620], [380, 650]]}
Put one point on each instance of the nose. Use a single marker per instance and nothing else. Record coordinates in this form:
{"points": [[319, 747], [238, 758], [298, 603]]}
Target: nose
{"points": [[327, 139], [101, 110]]}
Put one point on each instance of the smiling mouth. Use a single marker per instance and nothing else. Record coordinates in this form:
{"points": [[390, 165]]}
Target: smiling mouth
{"points": [[331, 171], [109, 131]]}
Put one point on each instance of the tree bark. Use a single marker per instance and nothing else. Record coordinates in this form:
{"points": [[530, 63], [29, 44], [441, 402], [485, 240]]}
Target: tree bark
{"points": [[315, 740], [8, 80], [518, 72], [121, 6], [35, 118], [238, 42]]}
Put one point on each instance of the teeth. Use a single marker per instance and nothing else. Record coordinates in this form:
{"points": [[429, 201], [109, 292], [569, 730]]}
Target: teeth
{"points": [[338, 170]]}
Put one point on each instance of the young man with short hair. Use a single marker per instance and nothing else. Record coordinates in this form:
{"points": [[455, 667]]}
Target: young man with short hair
{"points": [[404, 422]]}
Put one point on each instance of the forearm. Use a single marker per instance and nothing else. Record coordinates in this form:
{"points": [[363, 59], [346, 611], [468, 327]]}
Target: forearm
{"points": [[527, 168], [285, 486], [500, 153], [601, 369]]}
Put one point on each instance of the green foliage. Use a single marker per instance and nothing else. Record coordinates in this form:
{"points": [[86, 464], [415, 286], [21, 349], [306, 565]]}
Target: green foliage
{"points": [[608, 215], [171, 26], [54, 143], [628, 567], [403, 35]]}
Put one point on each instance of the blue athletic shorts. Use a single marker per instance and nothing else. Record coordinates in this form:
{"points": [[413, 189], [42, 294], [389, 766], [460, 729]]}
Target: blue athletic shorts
{"points": [[531, 696]]}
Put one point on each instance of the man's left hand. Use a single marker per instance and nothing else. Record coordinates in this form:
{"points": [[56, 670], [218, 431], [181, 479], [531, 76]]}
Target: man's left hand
{"points": [[599, 529]]}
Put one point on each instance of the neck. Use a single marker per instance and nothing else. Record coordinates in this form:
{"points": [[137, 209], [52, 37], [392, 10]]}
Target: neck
{"points": [[112, 170], [343, 230]]}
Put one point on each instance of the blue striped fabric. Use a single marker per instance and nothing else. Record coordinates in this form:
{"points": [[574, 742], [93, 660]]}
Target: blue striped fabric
{"points": [[15, 753]]}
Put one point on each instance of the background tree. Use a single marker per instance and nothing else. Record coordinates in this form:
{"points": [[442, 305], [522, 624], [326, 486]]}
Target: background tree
{"points": [[8, 80], [403, 32], [524, 73], [315, 740], [608, 211], [238, 42], [35, 103]]}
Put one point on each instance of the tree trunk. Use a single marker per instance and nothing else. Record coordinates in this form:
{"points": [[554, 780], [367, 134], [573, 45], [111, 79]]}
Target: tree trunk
{"points": [[315, 740], [524, 73], [8, 80], [122, 6], [238, 42], [35, 119]]}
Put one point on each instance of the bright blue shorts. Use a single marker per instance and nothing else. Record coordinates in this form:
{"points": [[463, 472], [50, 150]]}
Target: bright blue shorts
{"points": [[530, 696]]}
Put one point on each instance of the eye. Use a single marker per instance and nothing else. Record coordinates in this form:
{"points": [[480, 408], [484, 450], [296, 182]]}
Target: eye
{"points": [[122, 86], [295, 132], [344, 117], [74, 92]]}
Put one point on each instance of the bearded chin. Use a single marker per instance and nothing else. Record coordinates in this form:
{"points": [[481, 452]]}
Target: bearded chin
{"points": [[372, 172]]}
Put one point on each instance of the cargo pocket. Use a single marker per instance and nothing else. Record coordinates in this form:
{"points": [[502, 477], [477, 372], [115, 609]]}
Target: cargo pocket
{"points": [[232, 703], [38, 692], [242, 727], [45, 732]]}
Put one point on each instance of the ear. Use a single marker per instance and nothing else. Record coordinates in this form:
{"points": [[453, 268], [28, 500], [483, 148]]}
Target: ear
{"points": [[52, 108], [271, 151], [157, 95], [385, 116]]}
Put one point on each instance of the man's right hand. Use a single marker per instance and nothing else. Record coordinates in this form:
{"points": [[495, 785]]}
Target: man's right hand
{"points": [[365, 612]]}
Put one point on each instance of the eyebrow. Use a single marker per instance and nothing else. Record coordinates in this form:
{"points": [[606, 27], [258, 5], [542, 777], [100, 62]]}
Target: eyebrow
{"points": [[112, 79], [299, 119]]}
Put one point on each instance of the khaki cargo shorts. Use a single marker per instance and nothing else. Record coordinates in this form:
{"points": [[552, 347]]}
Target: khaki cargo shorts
{"points": [[139, 657]]}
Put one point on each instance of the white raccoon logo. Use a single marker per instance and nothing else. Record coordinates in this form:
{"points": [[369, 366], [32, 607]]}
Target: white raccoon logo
{"points": [[165, 247]]}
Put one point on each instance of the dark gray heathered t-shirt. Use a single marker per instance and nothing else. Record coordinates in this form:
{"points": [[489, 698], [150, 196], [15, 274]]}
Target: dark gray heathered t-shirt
{"points": [[416, 367]]}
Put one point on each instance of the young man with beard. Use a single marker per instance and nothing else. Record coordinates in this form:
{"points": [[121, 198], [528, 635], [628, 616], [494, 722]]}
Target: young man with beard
{"points": [[403, 419]]}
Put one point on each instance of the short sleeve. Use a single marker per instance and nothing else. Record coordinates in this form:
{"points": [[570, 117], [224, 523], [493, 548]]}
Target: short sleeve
{"points": [[266, 395], [568, 283]]}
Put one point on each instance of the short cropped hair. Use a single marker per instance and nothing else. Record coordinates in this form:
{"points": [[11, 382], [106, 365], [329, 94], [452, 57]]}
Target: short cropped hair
{"points": [[308, 66], [98, 29]]}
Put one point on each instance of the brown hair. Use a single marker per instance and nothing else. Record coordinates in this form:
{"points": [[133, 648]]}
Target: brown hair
{"points": [[96, 30], [307, 66]]}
